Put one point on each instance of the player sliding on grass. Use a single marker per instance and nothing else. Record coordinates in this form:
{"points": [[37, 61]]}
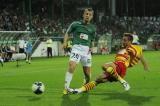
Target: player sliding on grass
{"points": [[115, 71]]}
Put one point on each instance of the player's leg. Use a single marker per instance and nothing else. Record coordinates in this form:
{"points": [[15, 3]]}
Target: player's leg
{"points": [[87, 74], [26, 57], [51, 52], [74, 60], [86, 62], [89, 86], [68, 76], [111, 68], [48, 52], [29, 58]]}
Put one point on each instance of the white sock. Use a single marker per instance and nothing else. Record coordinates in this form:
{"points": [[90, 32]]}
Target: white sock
{"points": [[68, 79], [122, 81], [79, 90]]}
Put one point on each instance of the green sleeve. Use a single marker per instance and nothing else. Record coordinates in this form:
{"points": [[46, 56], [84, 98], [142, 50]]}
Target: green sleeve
{"points": [[71, 27]]}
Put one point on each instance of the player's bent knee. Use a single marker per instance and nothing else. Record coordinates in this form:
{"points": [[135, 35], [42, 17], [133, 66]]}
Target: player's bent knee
{"points": [[109, 69]]}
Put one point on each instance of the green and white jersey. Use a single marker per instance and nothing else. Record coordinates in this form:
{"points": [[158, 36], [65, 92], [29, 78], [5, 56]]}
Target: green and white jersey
{"points": [[83, 34]]}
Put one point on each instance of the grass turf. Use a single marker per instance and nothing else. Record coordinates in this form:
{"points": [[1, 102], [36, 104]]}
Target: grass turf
{"points": [[15, 84]]}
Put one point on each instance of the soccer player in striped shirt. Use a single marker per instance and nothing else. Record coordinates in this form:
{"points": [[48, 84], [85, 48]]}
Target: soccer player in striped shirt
{"points": [[115, 71]]}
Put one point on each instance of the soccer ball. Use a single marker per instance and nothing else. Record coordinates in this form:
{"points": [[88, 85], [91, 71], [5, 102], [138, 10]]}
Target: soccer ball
{"points": [[38, 88]]}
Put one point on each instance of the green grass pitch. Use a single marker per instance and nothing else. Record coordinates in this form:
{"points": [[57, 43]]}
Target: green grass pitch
{"points": [[15, 84]]}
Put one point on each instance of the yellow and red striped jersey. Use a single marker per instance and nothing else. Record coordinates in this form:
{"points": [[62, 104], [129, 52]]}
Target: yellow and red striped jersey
{"points": [[135, 52], [129, 56]]}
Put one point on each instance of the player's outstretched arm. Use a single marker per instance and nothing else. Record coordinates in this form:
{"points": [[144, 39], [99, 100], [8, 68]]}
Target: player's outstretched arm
{"points": [[144, 63]]}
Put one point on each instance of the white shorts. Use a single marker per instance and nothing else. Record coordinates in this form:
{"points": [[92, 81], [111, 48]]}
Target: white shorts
{"points": [[81, 53]]}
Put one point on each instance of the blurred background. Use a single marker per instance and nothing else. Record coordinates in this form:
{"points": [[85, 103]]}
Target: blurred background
{"points": [[50, 18]]}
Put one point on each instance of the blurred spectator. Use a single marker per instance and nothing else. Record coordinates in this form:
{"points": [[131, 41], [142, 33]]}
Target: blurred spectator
{"points": [[12, 19], [29, 50], [135, 38], [49, 47], [21, 45]]}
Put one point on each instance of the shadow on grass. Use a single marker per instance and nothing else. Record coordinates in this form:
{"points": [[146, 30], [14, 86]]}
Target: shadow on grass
{"points": [[34, 98], [81, 101], [31, 98], [15, 89], [126, 96]]}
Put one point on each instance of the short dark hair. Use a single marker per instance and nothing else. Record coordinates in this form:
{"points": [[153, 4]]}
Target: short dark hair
{"points": [[89, 9], [129, 36]]}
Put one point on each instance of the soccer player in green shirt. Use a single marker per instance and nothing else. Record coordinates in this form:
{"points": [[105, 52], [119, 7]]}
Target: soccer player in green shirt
{"points": [[83, 35]]}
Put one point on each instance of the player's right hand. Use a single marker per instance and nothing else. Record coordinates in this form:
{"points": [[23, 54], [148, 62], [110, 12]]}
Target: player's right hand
{"points": [[64, 45], [146, 68]]}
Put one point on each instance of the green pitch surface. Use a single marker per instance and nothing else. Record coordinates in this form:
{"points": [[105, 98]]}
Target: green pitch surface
{"points": [[15, 84]]}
